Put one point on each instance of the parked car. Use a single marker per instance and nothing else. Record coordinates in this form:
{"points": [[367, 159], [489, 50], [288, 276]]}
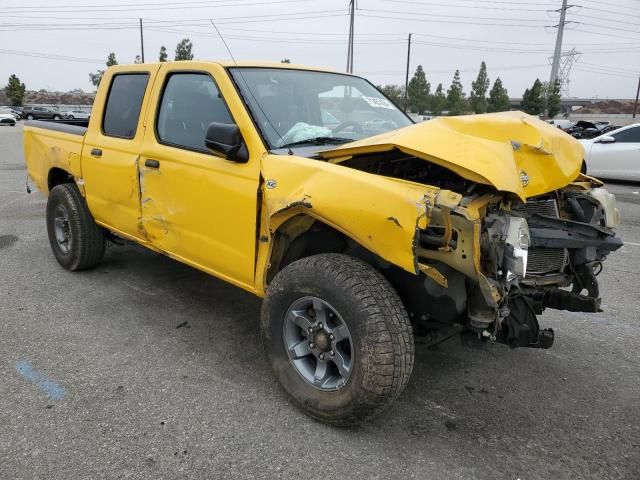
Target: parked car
{"points": [[583, 129], [615, 154], [41, 113], [561, 123], [77, 114], [358, 236], [7, 119], [10, 111]]}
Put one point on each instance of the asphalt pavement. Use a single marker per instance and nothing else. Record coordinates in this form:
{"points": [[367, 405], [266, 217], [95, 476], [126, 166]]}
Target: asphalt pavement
{"points": [[144, 368]]}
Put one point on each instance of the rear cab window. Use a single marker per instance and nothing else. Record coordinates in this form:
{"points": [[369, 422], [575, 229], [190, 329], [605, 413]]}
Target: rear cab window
{"points": [[123, 105]]}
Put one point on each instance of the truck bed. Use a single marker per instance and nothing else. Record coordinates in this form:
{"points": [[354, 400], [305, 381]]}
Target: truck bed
{"points": [[50, 145]]}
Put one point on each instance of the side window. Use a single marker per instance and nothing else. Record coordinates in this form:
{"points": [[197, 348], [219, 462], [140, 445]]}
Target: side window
{"points": [[123, 104], [190, 102], [630, 135]]}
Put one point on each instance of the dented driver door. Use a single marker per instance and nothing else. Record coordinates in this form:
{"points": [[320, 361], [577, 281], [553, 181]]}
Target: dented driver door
{"points": [[195, 206]]}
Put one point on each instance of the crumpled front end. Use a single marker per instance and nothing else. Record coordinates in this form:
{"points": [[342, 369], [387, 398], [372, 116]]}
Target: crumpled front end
{"points": [[503, 261], [523, 231], [543, 253]]}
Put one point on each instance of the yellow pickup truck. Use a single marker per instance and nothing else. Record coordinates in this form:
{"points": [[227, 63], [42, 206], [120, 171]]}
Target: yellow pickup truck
{"points": [[360, 229]]}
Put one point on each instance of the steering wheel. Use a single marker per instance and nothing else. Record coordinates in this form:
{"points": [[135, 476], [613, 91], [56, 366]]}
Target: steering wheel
{"points": [[349, 123]]}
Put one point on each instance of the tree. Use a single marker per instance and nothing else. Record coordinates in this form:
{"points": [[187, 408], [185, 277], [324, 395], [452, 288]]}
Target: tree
{"points": [[163, 54], [438, 100], [533, 99], [455, 96], [395, 93], [498, 98], [15, 90], [96, 77], [183, 50], [478, 95], [418, 92], [111, 60], [552, 98]]}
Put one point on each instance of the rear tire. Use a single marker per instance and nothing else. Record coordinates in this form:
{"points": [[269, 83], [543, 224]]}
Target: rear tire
{"points": [[78, 243], [30, 117], [381, 350]]}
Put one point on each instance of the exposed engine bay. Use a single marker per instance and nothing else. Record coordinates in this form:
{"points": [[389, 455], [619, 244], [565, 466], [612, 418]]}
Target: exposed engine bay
{"points": [[396, 164], [542, 253]]}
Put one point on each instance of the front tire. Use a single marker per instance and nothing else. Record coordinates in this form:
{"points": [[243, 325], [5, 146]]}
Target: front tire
{"points": [[30, 117], [338, 338], [78, 243]]}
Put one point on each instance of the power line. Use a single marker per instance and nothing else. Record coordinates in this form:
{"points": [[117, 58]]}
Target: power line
{"points": [[483, 7], [606, 73], [117, 26], [50, 56], [439, 15], [424, 20], [140, 6]]}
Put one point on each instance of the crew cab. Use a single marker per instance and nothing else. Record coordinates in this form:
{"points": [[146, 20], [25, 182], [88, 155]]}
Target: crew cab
{"points": [[359, 228]]}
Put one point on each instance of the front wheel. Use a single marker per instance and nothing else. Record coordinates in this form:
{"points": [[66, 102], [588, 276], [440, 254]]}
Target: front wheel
{"points": [[338, 337], [77, 241], [30, 117]]}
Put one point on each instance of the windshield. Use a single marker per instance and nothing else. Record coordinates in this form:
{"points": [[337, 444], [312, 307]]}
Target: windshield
{"points": [[294, 107]]}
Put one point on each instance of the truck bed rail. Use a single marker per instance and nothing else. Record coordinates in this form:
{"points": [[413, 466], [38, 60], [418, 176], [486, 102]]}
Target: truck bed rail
{"points": [[78, 127]]}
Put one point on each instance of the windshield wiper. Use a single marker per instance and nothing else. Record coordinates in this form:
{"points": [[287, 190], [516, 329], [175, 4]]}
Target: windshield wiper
{"points": [[318, 141]]}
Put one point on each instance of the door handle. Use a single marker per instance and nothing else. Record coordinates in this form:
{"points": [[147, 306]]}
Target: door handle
{"points": [[151, 163], [96, 152]]}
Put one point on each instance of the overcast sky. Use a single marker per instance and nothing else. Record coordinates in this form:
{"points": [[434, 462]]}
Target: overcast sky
{"points": [[515, 38]]}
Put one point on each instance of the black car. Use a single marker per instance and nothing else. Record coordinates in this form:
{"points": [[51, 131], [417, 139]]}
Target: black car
{"points": [[40, 113]]}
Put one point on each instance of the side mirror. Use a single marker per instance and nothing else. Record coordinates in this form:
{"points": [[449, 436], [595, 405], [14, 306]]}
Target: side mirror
{"points": [[606, 139], [225, 140]]}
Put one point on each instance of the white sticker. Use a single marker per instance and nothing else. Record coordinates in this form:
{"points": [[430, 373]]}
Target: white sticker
{"points": [[378, 102]]}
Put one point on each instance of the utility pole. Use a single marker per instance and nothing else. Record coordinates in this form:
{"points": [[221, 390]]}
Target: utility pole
{"points": [[141, 42], [352, 8], [635, 105], [406, 76], [556, 53]]}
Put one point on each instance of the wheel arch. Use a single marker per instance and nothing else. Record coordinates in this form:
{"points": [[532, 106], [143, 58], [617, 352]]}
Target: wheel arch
{"points": [[58, 176], [299, 236]]}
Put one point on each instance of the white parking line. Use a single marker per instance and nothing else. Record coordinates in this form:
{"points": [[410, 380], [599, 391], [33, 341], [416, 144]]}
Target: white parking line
{"points": [[12, 201], [631, 243]]}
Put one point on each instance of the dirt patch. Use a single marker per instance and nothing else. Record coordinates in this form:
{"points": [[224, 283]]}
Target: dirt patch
{"points": [[7, 240]]}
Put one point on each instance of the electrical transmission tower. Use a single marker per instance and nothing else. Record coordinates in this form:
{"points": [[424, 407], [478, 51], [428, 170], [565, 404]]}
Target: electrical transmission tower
{"points": [[567, 59]]}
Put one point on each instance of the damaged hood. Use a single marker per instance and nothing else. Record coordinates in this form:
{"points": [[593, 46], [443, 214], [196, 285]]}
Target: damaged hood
{"points": [[512, 151]]}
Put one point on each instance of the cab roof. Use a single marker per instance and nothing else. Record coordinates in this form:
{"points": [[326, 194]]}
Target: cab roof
{"points": [[241, 63]]}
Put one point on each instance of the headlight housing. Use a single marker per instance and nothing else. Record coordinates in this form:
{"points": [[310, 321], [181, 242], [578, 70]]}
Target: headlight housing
{"points": [[516, 247], [609, 205]]}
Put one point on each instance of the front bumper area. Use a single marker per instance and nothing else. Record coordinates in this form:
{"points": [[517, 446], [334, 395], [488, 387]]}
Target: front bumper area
{"points": [[574, 230]]}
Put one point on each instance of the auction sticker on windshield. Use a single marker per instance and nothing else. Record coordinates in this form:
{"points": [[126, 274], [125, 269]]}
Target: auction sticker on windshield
{"points": [[378, 102]]}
